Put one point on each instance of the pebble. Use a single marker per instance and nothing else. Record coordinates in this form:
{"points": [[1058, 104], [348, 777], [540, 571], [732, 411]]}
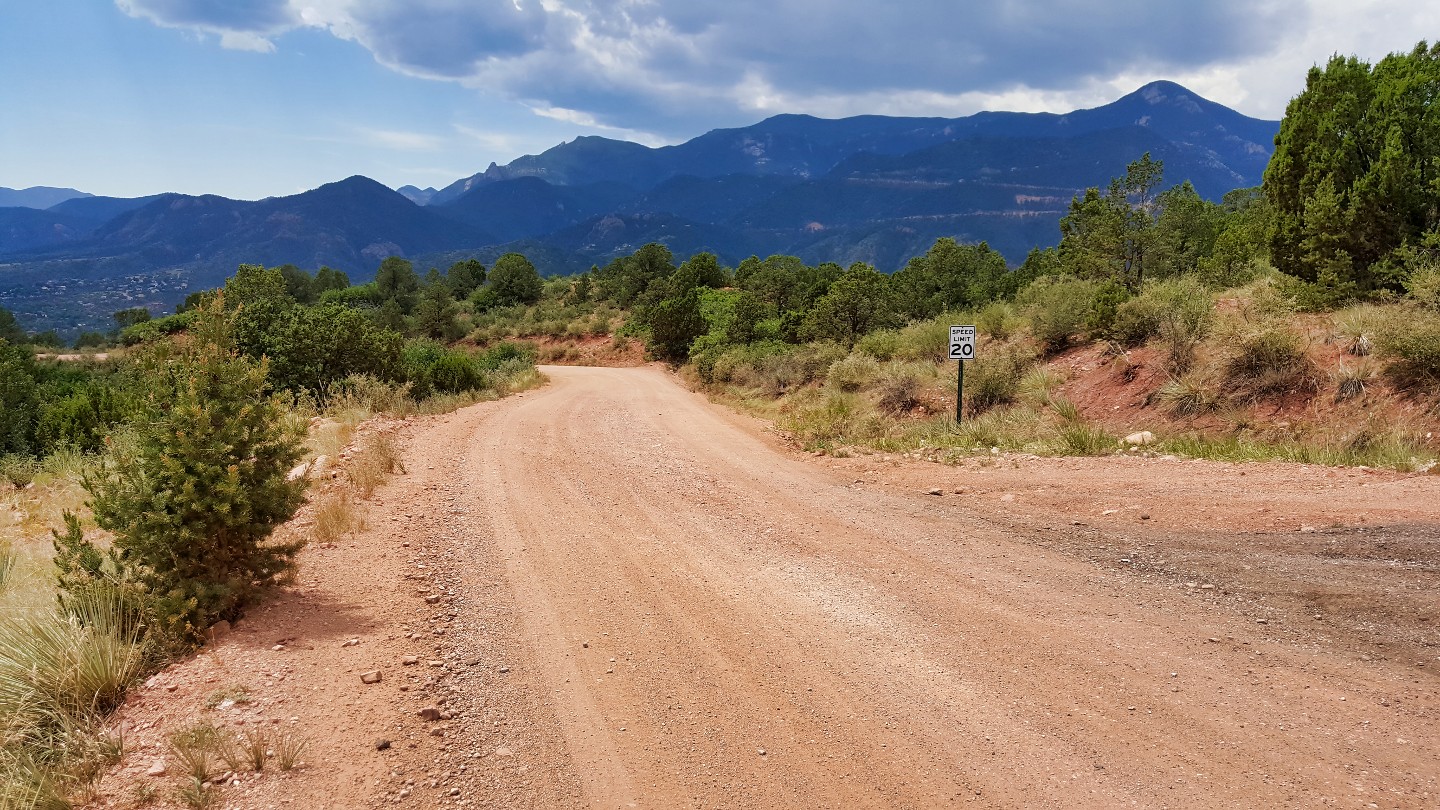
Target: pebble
{"points": [[373, 676], [934, 491], [351, 642], [382, 744], [157, 768], [760, 751], [504, 669], [410, 660], [430, 713]]}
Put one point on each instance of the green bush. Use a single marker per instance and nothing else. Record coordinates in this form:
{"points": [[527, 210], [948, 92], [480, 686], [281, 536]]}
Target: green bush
{"points": [[739, 364], [192, 508], [82, 418], [1424, 284], [998, 320], [1179, 311], [1269, 361], [674, 325], [456, 372], [882, 344], [19, 399], [900, 385], [494, 357], [1137, 320], [1410, 344], [927, 340], [798, 367], [995, 378], [852, 373], [775, 367], [313, 348], [1060, 308]]}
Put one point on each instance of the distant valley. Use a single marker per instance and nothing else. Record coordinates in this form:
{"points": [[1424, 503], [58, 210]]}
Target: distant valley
{"points": [[870, 188]]}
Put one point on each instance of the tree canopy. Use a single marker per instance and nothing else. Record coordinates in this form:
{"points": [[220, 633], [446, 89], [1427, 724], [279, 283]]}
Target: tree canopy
{"points": [[1356, 172]]}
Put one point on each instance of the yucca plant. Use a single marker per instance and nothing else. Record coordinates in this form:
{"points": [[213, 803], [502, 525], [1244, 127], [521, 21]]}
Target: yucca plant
{"points": [[60, 673]]}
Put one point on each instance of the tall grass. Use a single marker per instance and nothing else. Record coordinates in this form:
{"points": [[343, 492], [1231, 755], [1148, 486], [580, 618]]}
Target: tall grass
{"points": [[61, 673], [1382, 449], [335, 516]]}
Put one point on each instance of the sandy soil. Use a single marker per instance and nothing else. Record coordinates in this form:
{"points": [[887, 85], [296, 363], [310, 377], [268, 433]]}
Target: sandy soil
{"points": [[620, 595]]}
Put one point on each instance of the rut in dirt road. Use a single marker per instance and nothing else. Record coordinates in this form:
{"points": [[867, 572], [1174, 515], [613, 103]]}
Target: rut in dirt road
{"points": [[716, 623]]}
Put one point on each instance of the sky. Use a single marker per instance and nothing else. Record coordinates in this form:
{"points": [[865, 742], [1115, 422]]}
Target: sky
{"points": [[258, 98]]}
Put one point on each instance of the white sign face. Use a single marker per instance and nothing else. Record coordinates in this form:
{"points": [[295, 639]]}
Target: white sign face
{"points": [[962, 343]]}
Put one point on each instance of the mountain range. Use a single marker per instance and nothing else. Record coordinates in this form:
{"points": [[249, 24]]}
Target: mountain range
{"points": [[870, 188]]}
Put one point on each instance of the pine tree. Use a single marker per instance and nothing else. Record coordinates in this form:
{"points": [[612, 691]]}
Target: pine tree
{"points": [[193, 506]]}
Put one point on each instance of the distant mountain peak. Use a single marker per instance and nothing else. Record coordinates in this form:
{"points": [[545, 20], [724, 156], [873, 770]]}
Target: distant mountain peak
{"points": [[419, 196], [38, 197]]}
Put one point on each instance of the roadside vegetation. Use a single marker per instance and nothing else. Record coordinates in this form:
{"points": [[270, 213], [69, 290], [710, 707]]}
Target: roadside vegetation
{"points": [[140, 491]]}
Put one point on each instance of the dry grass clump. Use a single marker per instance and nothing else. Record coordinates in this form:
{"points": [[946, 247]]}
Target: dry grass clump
{"points": [[202, 747], [1189, 395], [854, 372], [900, 385], [1410, 344], [1269, 361], [377, 460], [331, 436], [1078, 438], [336, 516]]}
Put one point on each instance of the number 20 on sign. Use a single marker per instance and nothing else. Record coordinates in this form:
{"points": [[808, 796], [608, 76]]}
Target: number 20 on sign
{"points": [[962, 348]]}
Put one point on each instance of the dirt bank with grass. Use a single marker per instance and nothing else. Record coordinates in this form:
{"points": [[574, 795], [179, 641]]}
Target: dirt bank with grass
{"points": [[610, 592]]}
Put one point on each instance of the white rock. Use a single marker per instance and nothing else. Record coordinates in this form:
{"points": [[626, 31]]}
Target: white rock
{"points": [[1144, 437]]}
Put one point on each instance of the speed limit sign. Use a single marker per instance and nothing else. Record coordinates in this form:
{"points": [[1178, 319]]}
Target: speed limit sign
{"points": [[962, 343]]}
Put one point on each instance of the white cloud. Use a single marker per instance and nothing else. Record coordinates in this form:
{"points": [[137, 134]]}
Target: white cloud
{"points": [[246, 41], [679, 66], [404, 141]]}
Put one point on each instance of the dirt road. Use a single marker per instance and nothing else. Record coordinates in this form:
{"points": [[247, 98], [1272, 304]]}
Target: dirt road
{"points": [[640, 599]]}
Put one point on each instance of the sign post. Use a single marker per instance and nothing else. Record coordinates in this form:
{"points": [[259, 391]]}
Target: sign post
{"points": [[962, 348]]}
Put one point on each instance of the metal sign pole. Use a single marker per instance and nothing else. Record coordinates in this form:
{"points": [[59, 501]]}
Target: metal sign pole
{"points": [[959, 390]]}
